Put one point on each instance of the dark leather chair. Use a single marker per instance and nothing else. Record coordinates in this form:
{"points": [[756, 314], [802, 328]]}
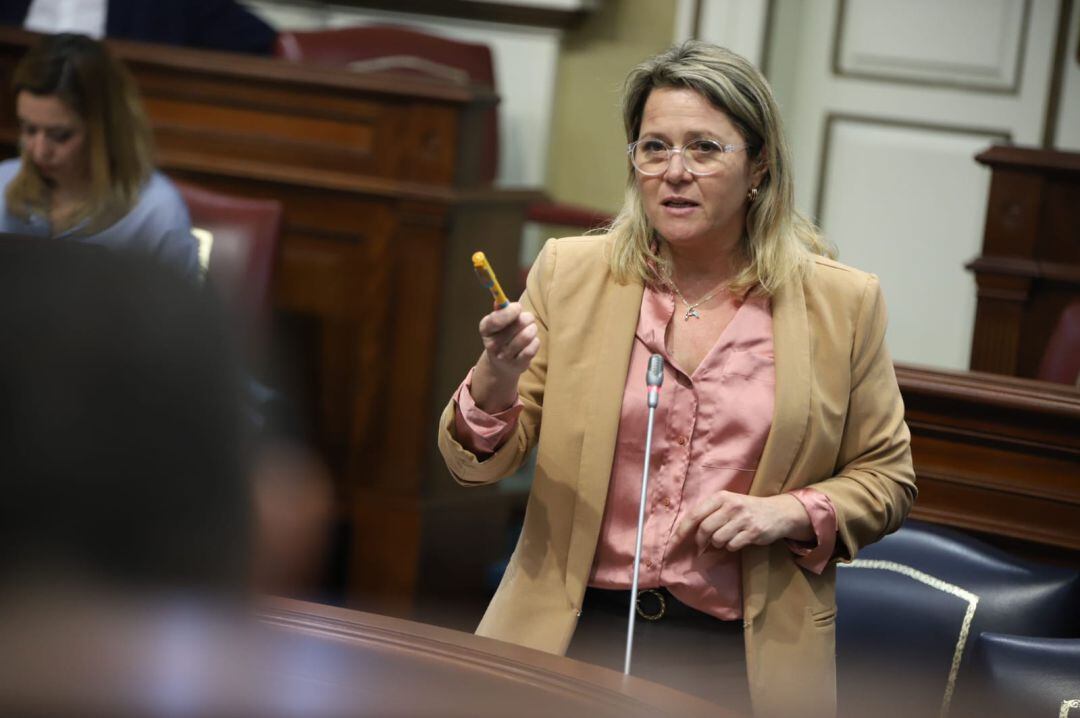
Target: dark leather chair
{"points": [[380, 48], [1061, 360], [1021, 676], [910, 606], [245, 239]]}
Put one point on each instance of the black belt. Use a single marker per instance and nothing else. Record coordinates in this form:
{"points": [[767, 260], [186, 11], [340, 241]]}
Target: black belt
{"points": [[652, 604]]}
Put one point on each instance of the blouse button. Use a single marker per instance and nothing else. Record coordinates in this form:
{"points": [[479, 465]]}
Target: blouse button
{"points": [[682, 441]]}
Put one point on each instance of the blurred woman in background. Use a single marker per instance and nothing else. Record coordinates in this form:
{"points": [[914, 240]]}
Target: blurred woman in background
{"points": [[86, 171]]}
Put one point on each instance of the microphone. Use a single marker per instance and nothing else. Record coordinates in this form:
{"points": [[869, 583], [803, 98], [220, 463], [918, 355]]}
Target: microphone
{"points": [[654, 377]]}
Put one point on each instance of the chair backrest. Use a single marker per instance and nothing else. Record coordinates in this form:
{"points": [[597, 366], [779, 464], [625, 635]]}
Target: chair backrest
{"points": [[382, 48], [909, 607], [245, 237], [1020, 676], [1061, 360]]}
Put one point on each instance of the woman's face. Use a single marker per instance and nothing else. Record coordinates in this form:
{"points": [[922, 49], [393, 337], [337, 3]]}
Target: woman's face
{"points": [[688, 210], [53, 138]]}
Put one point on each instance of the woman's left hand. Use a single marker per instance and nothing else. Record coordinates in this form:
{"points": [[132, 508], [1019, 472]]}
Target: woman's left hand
{"points": [[733, 521]]}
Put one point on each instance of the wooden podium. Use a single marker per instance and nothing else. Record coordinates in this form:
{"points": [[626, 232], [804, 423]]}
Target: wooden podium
{"points": [[1029, 268], [375, 304]]}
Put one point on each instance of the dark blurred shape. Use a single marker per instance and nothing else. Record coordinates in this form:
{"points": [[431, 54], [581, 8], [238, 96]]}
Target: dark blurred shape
{"points": [[1061, 360], [245, 233], [122, 443], [208, 24], [1019, 676], [292, 487], [911, 605]]}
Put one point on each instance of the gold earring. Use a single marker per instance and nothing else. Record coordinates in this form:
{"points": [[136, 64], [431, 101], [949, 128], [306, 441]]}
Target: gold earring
{"points": [[752, 194]]}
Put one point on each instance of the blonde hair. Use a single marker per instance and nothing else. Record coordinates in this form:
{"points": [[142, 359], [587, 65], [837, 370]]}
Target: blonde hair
{"points": [[779, 240], [82, 74]]}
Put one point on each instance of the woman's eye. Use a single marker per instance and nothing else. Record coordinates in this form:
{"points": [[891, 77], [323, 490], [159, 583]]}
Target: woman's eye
{"points": [[653, 146], [705, 147], [60, 136]]}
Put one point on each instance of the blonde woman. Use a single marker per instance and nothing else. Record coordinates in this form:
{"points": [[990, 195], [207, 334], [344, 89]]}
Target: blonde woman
{"points": [[86, 172], [779, 447]]}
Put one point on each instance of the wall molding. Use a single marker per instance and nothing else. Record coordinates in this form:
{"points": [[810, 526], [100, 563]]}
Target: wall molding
{"points": [[1012, 89], [832, 118]]}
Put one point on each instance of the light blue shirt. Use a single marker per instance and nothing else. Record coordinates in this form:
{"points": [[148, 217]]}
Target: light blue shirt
{"points": [[158, 225]]}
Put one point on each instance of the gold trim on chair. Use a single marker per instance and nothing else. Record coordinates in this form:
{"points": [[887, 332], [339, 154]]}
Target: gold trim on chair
{"points": [[1068, 705], [965, 627]]}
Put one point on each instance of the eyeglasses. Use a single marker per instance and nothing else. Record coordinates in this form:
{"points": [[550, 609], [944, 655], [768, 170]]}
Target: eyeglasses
{"points": [[651, 157]]}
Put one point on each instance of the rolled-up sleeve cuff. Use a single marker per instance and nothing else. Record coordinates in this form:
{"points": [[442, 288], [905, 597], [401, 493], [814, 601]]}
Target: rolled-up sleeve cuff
{"points": [[823, 520], [478, 431]]}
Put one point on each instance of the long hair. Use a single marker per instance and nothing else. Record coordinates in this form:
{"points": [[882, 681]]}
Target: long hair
{"points": [[779, 240], [82, 74]]}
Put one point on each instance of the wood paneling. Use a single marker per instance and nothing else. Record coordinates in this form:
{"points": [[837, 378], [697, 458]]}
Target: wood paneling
{"points": [[375, 303], [1029, 268], [996, 454]]}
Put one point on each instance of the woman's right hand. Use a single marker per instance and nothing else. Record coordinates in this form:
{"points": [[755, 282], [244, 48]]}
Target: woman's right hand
{"points": [[510, 343]]}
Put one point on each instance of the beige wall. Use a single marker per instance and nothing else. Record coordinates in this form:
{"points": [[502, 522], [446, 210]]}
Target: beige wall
{"points": [[586, 160]]}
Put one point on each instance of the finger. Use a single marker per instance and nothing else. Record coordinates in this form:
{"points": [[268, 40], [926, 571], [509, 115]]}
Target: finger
{"points": [[518, 342], [740, 541], [699, 512], [500, 319], [711, 524], [528, 353]]}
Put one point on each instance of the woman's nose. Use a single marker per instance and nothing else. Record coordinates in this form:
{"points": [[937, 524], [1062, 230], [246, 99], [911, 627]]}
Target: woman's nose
{"points": [[35, 147], [676, 169]]}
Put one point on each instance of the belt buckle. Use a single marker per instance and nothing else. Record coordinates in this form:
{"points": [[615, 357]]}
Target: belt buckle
{"points": [[659, 597]]}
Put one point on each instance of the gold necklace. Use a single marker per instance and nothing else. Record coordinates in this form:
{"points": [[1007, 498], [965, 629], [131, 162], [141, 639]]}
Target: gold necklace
{"points": [[691, 309]]}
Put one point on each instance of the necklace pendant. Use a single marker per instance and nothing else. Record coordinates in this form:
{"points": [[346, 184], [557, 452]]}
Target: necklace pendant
{"points": [[691, 312]]}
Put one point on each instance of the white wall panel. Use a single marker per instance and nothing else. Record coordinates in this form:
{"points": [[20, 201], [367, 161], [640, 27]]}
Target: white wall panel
{"points": [[963, 43], [916, 235], [738, 25]]}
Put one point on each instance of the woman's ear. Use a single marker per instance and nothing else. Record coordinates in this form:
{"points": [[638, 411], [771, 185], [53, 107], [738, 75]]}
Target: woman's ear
{"points": [[759, 170]]}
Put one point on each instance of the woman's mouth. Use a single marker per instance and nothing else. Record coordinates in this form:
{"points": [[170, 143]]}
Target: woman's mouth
{"points": [[679, 205]]}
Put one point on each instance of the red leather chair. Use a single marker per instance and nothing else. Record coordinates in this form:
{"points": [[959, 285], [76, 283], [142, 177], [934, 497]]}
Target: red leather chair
{"points": [[374, 48], [1061, 360], [245, 238]]}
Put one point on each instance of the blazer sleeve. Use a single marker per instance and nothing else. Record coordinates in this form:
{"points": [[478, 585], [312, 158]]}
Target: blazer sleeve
{"points": [[874, 485], [464, 465]]}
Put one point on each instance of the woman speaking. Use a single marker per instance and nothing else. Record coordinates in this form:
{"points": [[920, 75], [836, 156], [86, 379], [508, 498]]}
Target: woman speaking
{"points": [[779, 446]]}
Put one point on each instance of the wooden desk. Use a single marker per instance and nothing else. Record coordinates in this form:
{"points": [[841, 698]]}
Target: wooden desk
{"points": [[995, 454], [375, 304], [419, 670], [101, 654]]}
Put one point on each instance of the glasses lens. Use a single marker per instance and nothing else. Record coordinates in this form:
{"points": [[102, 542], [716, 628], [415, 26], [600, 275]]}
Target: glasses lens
{"points": [[650, 156], [703, 156]]}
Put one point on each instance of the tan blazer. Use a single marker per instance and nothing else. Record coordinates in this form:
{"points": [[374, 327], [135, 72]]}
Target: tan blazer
{"points": [[838, 425]]}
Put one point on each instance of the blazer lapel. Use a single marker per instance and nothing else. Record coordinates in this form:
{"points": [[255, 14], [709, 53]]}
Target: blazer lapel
{"points": [[791, 412], [615, 321], [791, 349]]}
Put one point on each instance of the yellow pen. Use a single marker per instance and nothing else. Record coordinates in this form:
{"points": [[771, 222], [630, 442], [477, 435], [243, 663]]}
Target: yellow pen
{"points": [[486, 275]]}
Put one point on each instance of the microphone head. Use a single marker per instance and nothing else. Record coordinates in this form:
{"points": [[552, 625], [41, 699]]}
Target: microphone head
{"points": [[655, 375]]}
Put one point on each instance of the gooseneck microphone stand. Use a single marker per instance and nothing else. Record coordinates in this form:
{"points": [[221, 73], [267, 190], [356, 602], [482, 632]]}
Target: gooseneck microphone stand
{"points": [[654, 377]]}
